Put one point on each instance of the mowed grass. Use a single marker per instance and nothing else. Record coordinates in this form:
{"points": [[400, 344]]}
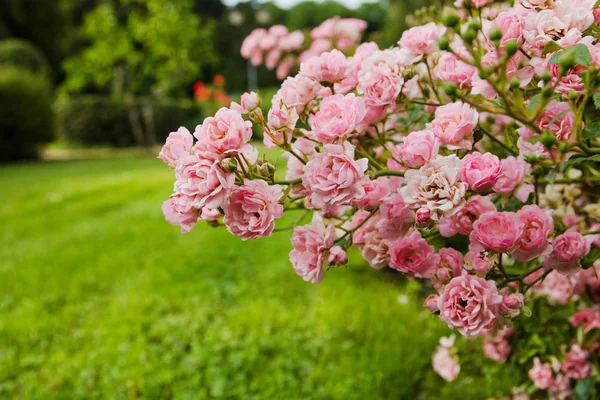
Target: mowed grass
{"points": [[101, 298]]}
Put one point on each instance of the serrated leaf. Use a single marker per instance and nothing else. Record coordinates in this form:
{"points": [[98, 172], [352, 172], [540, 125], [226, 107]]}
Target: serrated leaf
{"points": [[551, 47], [590, 258], [592, 130], [597, 101]]}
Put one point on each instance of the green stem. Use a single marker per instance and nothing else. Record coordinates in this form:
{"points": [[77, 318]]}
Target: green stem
{"points": [[387, 172]]}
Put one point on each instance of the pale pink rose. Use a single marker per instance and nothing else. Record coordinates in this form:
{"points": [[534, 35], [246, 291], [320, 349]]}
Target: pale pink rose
{"points": [[525, 148], [588, 318], [511, 178], [431, 303], [380, 87], [284, 67], [421, 40], [333, 178], [249, 102], [396, 218], [375, 192], [250, 210], [451, 69], [451, 265], [567, 250], [311, 247], [282, 118], [299, 92], [418, 148], [496, 348], [203, 181], [538, 226], [179, 211], [470, 304], [337, 256], [462, 221], [576, 365], [423, 216], [561, 388], [558, 288], [369, 241], [435, 186], [225, 133], [278, 30], [295, 168], [178, 145], [350, 81], [337, 117], [454, 124], [445, 363], [511, 24], [542, 27], [413, 256], [272, 58], [511, 305], [541, 374], [250, 49], [496, 231], [480, 171], [479, 261], [292, 41], [328, 67], [562, 118]]}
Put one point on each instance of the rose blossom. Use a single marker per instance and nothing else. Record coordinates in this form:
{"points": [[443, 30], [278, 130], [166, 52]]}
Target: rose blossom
{"points": [[431, 303], [369, 241], [496, 348], [375, 192], [454, 124], [444, 360], [179, 211], [248, 103], [203, 181], [311, 246], [511, 177], [480, 171], [299, 92], [413, 256], [435, 186], [418, 148], [396, 218], [588, 318], [576, 365], [567, 250], [470, 304], [333, 177], [250, 210], [511, 305], [178, 145], [538, 226], [462, 221], [480, 262], [450, 266], [337, 117], [541, 374], [561, 388], [562, 118], [496, 231], [451, 69], [225, 133], [328, 67], [421, 40]]}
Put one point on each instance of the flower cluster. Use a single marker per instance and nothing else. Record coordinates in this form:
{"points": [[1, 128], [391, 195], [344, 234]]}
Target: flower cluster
{"points": [[466, 156], [284, 51]]}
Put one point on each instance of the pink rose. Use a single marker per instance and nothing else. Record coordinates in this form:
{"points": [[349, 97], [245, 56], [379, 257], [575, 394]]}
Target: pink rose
{"points": [[454, 124], [567, 250], [435, 186], [292, 41], [511, 24], [299, 93], [496, 348], [311, 247], [541, 374], [375, 192], [479, 262], [480, 171], [396, 218], [588, 318], [462, 221], [337, 117], [561, 388], [470, 304], [248, 103], [538, 226], [562, 118], [451, 69], [225, 133], [178, 145], [333, 178], [413, 256], [421, 40], [251, 209], [576, 365], [445, 363], [418, 148], [558, 288], [496, 231], [203, 181], [452, 260], [431, 303], [511, 178], [423, 216], [511, 305], [328, 67], [369, 241], [179, 211]]}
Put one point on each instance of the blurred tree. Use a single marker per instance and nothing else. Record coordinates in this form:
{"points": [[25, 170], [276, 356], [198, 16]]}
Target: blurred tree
{"points": [[396, 23]]}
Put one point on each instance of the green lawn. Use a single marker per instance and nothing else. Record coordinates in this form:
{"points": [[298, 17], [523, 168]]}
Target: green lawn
{"points": [[101, 298]]}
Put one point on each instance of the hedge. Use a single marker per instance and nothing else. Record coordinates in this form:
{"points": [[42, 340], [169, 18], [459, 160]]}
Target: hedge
{"points": [[22, 54]]}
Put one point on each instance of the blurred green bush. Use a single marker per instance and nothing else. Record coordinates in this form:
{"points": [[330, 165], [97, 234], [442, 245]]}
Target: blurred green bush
{"points": [[22, 54], [102, 120], [26, 118]]}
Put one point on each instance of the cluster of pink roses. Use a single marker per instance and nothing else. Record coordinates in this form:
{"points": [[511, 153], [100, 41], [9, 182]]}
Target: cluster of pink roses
{"points": [[277, 47], [474, 131]]}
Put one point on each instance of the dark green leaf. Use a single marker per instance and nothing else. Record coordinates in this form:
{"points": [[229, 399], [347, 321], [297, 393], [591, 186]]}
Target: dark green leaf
{"points": [[592, 130], [597, 101], [559, 225], [590, 258], [534, 102], [551, 47], [477, 136], [579, 160], [341, 242], [582, 389]]}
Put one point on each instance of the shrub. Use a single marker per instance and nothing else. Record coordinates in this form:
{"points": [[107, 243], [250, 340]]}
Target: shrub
{"points": [[22, 54], [101, 120], [26, 118]]}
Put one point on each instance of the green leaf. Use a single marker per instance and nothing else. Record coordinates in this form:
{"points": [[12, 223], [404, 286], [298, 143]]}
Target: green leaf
{"points": [[534, 102], [341, 242], [477, 135], [551, 47], [579, 160], [559, 225], [582, 389], [592, 130], [590, 258], [597, 101], [582, 54]]}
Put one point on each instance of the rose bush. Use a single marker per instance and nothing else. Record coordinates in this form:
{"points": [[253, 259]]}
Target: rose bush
{"points": [[467, 157]]}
